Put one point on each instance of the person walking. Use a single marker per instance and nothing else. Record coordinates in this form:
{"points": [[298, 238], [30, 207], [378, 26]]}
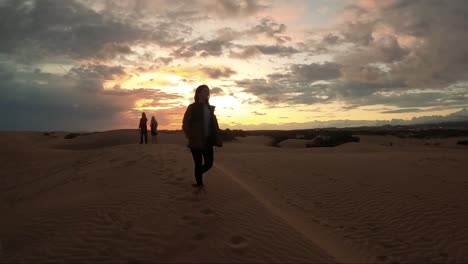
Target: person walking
{"points": [[200, 126], [143, 128], [154, 129]]}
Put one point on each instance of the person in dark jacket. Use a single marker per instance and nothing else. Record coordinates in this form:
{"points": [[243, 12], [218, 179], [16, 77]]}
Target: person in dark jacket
{"points": [[143, 128], [201, 128]]}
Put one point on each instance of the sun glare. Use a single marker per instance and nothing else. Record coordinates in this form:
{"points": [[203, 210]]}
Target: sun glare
{"points": [[223, 103]]}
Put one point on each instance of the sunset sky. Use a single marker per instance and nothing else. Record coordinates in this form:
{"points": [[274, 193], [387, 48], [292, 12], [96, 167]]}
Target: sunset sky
{"points": [[97, 64]]}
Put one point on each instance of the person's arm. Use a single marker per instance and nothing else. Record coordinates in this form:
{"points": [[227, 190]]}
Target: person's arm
{"points": [[186, 121], [139, 124]]}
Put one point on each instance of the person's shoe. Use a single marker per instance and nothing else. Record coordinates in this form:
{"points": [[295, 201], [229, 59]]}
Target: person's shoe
{"points": [[196, 185]]}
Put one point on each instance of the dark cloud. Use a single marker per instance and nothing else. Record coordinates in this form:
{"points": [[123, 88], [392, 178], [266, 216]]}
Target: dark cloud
{"points": [[270, 29], [435, 33], [37, 101], [210, 48], [276, 49], [236, 8], [315, 72], [295, 86], [359, 33], [364, 74], [44, 101], [164, 60], [248, 52], [201, 48], [69, 28], [331, 39], [216, 73], [385, 50], [216, 91], [253, 50], [58, 27], [403, 110], [112, 50], [225, 40], [269, 92], [92, 76]]}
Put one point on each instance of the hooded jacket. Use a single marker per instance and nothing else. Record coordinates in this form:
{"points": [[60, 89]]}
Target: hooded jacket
{"points": [[193, 127]]}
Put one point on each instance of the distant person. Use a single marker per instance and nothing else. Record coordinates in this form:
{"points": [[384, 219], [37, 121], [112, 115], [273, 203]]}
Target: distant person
{"points": [[201, 128], [154, 129], [143, 128]]}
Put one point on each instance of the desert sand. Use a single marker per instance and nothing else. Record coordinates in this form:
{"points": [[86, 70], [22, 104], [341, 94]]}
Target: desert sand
{"points": [[103, 198]]}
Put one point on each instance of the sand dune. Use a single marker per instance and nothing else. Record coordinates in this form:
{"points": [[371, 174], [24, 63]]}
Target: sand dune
{"points": [[103, 198]]}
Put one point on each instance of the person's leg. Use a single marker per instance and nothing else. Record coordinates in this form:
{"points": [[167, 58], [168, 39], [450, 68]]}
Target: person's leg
{"points": [[146, 137], [208, 158], [197, 158], [141, 137]]}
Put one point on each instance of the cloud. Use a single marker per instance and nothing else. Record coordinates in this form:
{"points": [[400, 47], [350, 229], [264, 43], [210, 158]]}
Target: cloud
{"points": [[216, 73], [270, 29], [268, 91], [254, 50], [422, 42], [403, 110], [63, 27], [201, 48], [91, 77], [112, 50], [70, 28], [236, 8], [216, 91], [296, 85], [43, 101], [331, 39], [315, 72]]}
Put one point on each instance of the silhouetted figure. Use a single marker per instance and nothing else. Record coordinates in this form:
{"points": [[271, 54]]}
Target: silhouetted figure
{"points": [[201, 128], [143, 128], [154, 129]]}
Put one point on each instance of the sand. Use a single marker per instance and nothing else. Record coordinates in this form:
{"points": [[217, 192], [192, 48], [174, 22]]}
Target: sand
{"points": [[103, 198]]}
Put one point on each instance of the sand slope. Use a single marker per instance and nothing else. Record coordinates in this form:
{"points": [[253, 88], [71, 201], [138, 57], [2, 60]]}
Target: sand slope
{"points": [[102, 198], [131, 203], [405, 203]]}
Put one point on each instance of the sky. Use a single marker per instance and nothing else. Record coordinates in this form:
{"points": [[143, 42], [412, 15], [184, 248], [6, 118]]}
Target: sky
{"points": [[93, 65]]}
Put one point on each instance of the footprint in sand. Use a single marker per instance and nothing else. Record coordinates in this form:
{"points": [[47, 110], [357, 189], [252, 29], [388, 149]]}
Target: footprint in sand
{"points": [[238, 242], [382, 258], [207, 212], [129, 163], [199, 236], [174, 183], [182, 198], [186, 217], [127, 225], [194, 222]]}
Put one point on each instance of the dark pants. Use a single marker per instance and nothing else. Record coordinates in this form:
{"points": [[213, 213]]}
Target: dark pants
{"points": [[200, 155], [143, 133]]}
